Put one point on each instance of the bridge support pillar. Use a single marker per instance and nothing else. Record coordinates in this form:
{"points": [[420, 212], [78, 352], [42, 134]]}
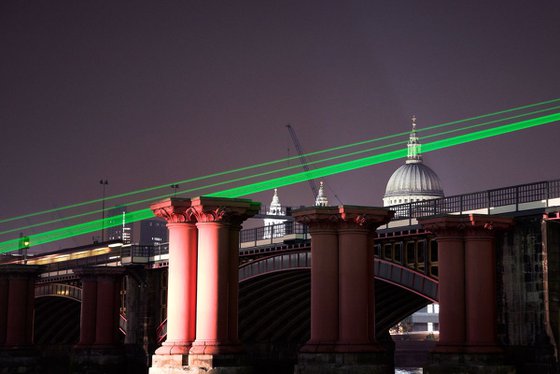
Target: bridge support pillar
{"points": [[203, 285], [323, 224], [342, 291], [17, 354], [98, 350], [217, 344], [467, 280], [181, 288]]}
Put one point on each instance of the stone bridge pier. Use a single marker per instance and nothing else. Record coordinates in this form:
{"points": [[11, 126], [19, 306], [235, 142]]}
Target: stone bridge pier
{"points": [[467, 294], [17, 293], [203, 285], [342, 291]]}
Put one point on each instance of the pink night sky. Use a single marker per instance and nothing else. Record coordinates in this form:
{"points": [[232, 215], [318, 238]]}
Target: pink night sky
{"points": [[146, 93]]}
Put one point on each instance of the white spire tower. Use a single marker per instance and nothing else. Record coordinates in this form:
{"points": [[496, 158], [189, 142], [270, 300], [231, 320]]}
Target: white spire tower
{"points": [[321, 199], [273, 227]]}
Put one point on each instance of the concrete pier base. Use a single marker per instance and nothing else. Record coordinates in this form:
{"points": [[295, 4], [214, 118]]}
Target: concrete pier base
{"points": [[344, 363], [468, 363]]}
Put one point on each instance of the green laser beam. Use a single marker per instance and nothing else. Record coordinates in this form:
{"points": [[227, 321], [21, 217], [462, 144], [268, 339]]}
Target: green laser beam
{"points": [[150, 199], [190, 180], [389, 156], [142, 214]]}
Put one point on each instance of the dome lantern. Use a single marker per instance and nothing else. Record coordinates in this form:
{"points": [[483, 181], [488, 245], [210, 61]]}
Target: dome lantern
{"points": [[413, 181]]}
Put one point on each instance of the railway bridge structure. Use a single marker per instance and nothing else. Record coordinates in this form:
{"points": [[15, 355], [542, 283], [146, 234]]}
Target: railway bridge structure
{"points": [[319, 298]]}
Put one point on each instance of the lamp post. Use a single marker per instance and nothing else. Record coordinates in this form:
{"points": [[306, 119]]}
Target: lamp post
{"points": [[175, 188], [103, 183]]}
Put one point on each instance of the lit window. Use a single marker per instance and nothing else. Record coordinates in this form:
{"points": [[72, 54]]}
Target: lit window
{"points": [[436, 308], [430, 327], [431, 308]]}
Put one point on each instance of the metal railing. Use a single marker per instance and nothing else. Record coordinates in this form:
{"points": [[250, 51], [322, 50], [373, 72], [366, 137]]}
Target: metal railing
{"points": [[289, 230], [501, 200]]}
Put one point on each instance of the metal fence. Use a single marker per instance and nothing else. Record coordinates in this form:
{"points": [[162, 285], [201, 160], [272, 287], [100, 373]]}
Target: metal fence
{"points": [[507, 199]]}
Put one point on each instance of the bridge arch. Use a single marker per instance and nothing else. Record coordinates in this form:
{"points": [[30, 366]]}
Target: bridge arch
{"points": [[57, 314], [275, 293], [58, 290]]}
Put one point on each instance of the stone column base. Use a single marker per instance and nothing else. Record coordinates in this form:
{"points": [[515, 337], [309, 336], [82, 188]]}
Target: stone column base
{"points": [[345, 363], [200, 364], [468, 363], [171, 364], [20, 361], [98, 360]]}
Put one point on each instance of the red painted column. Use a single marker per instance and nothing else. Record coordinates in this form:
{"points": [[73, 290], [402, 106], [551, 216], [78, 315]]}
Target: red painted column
{"points": [[20, 303], [88, 310], [449, 231], [218, 222], [108, 287], [99, 321], [356, 290], [322, 223], [182, 273], [480, 281]]}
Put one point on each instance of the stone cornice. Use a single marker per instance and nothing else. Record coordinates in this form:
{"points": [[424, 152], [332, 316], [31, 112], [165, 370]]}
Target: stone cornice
{"points": [[228, 211], [457, 225]]}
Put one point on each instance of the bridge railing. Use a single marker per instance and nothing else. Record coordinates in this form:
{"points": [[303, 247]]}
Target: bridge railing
{"points": [[289, 230], [501, 200]]}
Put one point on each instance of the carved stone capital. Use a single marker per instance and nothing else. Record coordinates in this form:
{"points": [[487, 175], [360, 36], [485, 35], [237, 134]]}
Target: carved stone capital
{"points": [[227, 211], [318, 218], [19, 271], [444, 226], [173, 210], [487, 225], [368, 218], [447, 226]]}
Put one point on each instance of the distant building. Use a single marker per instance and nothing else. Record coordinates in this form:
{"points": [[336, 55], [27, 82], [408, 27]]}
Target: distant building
{"points": [[274, 227], [321, 199], [147, 232], [415, 181]]}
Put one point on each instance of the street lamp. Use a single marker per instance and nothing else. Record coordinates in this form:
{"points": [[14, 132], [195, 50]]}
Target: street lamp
{"points": [[103, 183]]}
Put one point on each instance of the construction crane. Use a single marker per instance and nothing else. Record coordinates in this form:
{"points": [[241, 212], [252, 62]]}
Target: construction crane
{"points": [[302, 159]]}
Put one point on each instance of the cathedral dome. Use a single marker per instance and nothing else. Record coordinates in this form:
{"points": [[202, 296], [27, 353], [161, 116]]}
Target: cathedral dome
{"points": [[413, 181]]}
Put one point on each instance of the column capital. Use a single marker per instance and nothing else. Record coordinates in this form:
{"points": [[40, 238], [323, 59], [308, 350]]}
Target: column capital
{"points": [[174, 210], [318, 217], [487, 224], [225, 210], [448, 226], [445, 226], [331, 217], [369, 218], [19, 270]]}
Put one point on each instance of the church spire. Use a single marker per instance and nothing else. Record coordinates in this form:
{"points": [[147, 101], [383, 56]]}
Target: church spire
{"points": [[321, 199], [414, 146]]}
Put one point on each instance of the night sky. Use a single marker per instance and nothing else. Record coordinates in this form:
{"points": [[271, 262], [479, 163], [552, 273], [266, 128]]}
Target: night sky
{"points": [[146, 93]]}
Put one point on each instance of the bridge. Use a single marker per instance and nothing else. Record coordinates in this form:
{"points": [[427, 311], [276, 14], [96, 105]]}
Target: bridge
{"points": [[275, 282]]}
